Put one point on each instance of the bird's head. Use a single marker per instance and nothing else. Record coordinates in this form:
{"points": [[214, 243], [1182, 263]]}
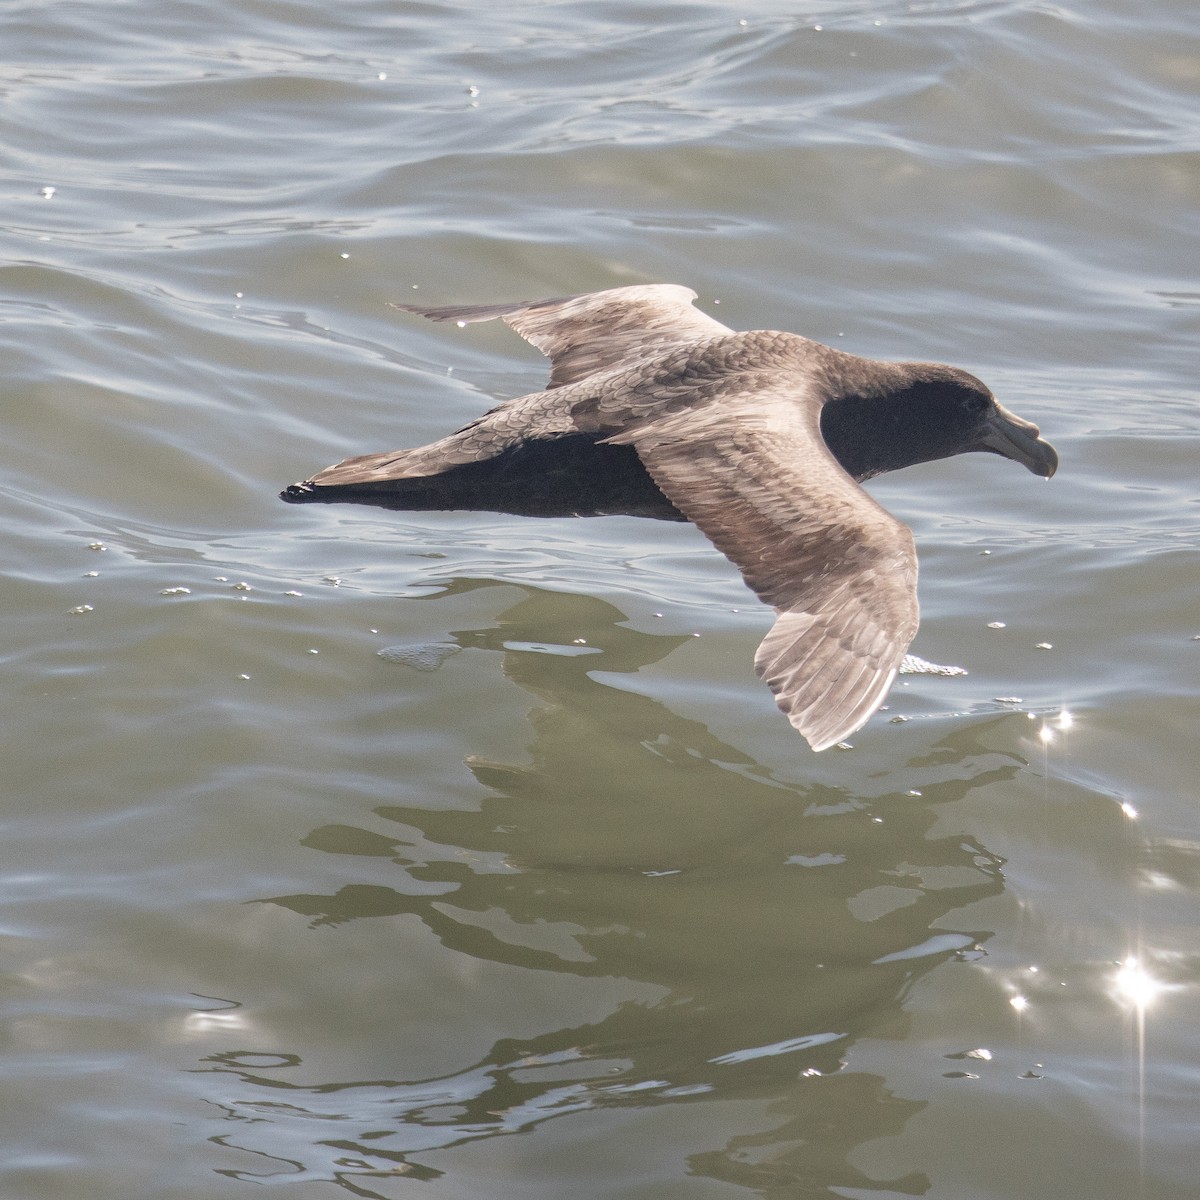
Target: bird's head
{"points": [[921, 412]]}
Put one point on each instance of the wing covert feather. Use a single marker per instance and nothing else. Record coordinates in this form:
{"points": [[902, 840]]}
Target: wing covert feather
{"points": [[754, 474]]}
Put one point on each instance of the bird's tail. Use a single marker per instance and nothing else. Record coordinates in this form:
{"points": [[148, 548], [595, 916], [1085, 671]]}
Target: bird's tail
{"points": [[560, 477]]}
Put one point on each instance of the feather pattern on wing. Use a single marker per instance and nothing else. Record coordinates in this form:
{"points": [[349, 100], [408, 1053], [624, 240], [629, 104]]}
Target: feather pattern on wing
{"points": [[587, 335], [840, 571]]}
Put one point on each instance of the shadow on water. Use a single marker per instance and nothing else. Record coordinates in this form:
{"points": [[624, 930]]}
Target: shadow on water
{"points": [[781, 923]]}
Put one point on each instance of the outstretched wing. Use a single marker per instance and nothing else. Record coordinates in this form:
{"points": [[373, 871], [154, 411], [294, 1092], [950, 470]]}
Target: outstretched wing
{"points": [[584, 335], [841, 572]]}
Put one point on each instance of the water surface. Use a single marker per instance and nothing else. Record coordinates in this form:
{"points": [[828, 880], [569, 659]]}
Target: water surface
{"points": [[547, 899]]}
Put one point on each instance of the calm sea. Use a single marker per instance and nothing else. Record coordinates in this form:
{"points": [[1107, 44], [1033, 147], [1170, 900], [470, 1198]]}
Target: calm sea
{"points": [[547, 900]]}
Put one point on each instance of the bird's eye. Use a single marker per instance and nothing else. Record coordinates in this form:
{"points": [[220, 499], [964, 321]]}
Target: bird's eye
{"points": [[974, 403]]}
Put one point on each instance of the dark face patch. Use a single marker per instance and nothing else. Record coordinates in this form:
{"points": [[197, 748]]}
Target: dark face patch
{"points": [[931, 413]]}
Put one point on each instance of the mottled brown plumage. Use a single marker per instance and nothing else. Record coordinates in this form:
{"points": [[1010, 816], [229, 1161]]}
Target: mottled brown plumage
{"points": [[760, 438]]}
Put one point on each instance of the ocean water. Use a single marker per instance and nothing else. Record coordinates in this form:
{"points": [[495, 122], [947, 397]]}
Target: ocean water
{"points": [[463, 855]]}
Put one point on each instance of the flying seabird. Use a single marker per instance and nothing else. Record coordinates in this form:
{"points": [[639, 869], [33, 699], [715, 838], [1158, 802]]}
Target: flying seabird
{"points": [[761, 438]]}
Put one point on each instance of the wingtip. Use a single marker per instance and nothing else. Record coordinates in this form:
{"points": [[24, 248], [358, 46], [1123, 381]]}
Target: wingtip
{"points": [[820, 738], [432, 314], [824, 711], [463, 314]]}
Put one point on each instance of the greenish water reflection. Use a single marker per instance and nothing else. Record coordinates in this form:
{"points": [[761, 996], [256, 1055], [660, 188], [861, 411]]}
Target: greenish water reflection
{"points": [[780, 923]]}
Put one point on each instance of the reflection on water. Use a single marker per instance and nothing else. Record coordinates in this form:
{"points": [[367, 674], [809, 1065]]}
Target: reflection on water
{"points": [[814, 924]]}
